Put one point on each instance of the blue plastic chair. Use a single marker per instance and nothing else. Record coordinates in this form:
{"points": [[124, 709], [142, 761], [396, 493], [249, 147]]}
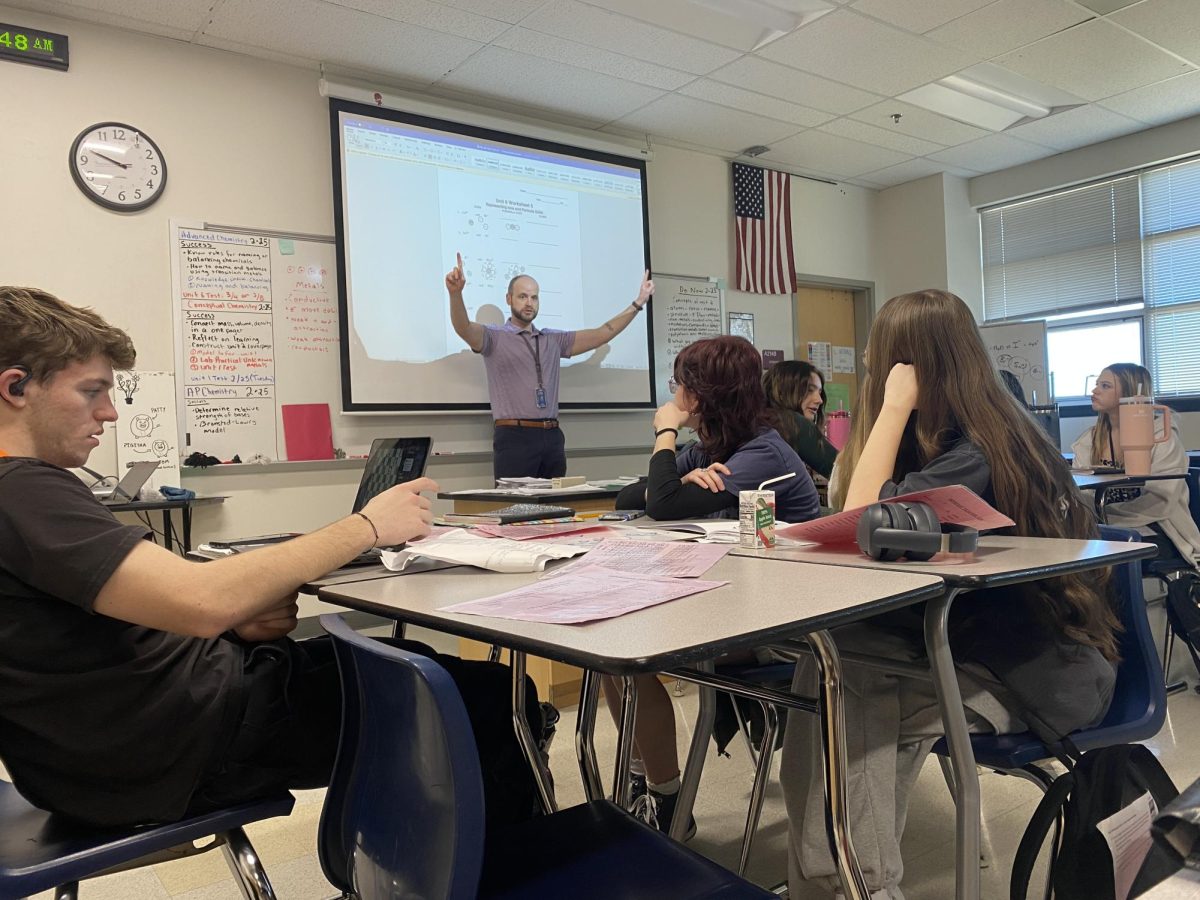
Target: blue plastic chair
{"points": [[40, 851], [1139, 703], [404, 815]]}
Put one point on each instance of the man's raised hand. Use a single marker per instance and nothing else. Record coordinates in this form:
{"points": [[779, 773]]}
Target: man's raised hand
{"points": [[455, 279]]}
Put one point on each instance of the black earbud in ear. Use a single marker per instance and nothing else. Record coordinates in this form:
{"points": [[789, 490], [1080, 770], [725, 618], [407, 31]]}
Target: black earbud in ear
{"points": [[17, 388]]}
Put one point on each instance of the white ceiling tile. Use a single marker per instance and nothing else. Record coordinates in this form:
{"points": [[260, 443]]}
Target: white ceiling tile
{"points": [[522, 40], [495, 72], [765, 77], [1093, 60], [705, 124], [920, 123], [505, 10], [1173, 24], [996, 151], [881, 137], [918, 15], [905, 172], [179, 19], [313, 30], [851, 48], [834, 155], [621, 34], [433, 16], [1075, 128], [1157, 104], [1008, 24], [759, 104]]}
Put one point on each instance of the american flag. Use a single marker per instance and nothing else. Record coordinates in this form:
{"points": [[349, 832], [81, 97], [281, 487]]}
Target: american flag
{"points": [[762, 217]]}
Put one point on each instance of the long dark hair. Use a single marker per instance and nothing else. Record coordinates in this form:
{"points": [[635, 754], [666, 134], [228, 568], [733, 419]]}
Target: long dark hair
{"points": [[786, 386], [722, 374], [959, 394]]}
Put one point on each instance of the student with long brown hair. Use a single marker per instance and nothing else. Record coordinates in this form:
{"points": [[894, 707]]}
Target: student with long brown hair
{"points": [[933, 412], [1158, 509], [795, 389]]}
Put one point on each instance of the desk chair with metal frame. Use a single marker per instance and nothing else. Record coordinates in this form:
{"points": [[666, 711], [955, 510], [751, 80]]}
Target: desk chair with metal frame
{"points": [[1139, 703], [404, 814], [40, 851]]}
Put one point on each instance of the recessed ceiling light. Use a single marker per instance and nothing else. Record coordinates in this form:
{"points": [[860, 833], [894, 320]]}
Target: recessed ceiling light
{"points": [[990, 97]]}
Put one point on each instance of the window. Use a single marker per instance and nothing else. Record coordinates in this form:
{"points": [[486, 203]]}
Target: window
{"points": [[1113, 268]]}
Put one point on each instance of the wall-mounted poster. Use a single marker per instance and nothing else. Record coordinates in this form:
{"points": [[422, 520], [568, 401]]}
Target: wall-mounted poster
{"points": [[742, 325]]}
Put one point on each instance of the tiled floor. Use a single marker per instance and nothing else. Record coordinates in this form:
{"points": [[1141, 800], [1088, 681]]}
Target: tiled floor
{"points": [[288, 846]]}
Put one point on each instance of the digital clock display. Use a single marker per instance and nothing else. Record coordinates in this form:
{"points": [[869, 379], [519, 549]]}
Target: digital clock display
{"points": [[29, 45]]}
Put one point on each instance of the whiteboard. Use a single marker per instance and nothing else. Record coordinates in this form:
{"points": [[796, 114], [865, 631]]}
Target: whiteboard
{"points": [[1020, 347], [256, 327], [685, 309]]}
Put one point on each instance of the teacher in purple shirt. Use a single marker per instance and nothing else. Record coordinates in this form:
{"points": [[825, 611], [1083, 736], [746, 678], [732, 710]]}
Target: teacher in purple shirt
{"points": [[522, 364]]}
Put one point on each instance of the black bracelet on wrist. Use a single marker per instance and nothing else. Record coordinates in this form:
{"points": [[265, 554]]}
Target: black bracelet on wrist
{"points": [[637, 308], [674, 431], [373, 528]]}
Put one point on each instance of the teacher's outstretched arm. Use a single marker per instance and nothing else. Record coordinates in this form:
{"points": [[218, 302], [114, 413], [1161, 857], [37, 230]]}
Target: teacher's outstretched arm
{"points": [[471, 332], [591, 338]]}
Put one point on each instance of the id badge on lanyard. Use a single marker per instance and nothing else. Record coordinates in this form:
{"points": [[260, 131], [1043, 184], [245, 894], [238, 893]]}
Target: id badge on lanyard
{"points": [[539, 394], [539, 397]]}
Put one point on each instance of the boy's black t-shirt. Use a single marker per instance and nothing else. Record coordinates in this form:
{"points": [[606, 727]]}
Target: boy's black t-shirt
{"points": [[100, 719]]}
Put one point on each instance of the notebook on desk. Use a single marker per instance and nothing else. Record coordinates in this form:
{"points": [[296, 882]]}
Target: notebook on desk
{"points": [[392, 461], [127, 488]]}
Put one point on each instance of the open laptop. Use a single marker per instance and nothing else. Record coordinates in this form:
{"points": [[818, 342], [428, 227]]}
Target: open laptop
{"points": [[392, 461], [128, 487]]}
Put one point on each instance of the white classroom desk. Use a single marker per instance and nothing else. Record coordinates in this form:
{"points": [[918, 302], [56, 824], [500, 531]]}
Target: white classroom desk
{"points": [[1102, 483], [761, 604], [999, 561]]}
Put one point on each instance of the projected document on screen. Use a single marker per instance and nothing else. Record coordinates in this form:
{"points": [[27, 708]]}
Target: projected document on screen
{"points": [[413, 194]]}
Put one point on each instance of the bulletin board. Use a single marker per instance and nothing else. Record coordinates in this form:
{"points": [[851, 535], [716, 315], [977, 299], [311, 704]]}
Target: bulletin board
{"points": [[256, 330]]}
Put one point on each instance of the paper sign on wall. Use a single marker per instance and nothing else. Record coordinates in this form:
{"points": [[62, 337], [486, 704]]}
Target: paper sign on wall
{"points": [[837, 396], [146, 429], [843, 360], [820, 354]]}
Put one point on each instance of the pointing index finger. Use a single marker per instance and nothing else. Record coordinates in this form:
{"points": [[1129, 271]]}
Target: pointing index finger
{"points": [[459, 255]]}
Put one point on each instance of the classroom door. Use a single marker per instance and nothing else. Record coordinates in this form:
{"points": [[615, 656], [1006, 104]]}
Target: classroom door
{"points": [[827, 315]]}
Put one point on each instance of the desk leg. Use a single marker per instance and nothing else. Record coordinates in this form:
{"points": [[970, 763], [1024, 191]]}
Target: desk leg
{"points": [[689, 783], [833, 738], [1101, 505], [962, 757], [585, 729], [525, 737], [167, 541], [187, 527], [621, 786]]}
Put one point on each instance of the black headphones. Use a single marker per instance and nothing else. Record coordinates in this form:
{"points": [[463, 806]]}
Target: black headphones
{"points": [[888, 531], [17, 388]]}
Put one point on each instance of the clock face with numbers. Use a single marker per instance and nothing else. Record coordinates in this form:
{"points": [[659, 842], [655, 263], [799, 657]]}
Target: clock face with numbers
{"points": [[118, 166]]}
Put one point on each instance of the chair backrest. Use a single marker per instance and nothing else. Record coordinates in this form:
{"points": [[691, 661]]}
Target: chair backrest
{"points": [[1139, 704], [1193, 483], [404, 812]]}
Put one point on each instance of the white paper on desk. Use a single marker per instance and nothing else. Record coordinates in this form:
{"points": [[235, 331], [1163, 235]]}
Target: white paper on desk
{"points": [[494, 554], [953, 505], [584, 594], [529, 532], [673, 559], [719, 531], [1127, 833]]}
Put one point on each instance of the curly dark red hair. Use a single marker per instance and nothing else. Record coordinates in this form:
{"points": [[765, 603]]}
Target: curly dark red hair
{"points": [[724, 374]]}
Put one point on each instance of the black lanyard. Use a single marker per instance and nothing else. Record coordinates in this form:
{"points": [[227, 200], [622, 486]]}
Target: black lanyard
{"points": [[536, 352]]}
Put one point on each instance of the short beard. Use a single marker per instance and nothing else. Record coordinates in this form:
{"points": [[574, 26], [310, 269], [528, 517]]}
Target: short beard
{"points": [[520, 318]]}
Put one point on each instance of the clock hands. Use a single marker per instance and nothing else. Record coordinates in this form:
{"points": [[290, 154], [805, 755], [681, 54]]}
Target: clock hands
{"points": [[113, 161]]}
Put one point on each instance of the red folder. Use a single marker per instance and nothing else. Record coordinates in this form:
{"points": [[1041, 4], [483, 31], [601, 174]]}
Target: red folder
{"points": [[307, 432]]}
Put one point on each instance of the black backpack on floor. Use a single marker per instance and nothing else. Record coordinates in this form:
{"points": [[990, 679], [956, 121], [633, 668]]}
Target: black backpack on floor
{"points": [[1096, 785]]}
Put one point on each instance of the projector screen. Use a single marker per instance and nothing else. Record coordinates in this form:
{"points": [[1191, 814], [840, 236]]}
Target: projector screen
{"points": [[410, 192]]}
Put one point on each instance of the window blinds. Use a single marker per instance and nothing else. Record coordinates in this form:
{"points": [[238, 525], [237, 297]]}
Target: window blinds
{"points": [[1171, 265], [1071, 250]]}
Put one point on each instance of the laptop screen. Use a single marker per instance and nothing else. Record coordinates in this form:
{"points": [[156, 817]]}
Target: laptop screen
{"points": [[392, 461]]}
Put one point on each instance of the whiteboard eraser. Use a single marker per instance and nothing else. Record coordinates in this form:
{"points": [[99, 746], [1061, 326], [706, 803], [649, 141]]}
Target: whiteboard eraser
{"points": [[568, 481]]}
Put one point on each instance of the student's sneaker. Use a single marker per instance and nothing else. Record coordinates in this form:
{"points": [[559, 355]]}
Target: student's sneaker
{"points": [[657, 810]]}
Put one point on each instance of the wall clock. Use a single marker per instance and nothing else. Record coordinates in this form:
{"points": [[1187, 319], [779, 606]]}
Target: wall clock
{"points": [[118, 166]]}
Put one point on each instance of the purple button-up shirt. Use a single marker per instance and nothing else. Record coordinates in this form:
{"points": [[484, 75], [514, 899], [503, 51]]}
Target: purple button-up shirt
{"points": [[508, 357]]}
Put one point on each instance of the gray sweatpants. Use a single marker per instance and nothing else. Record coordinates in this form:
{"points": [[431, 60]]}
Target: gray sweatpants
{"points": [[891, 724]]}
